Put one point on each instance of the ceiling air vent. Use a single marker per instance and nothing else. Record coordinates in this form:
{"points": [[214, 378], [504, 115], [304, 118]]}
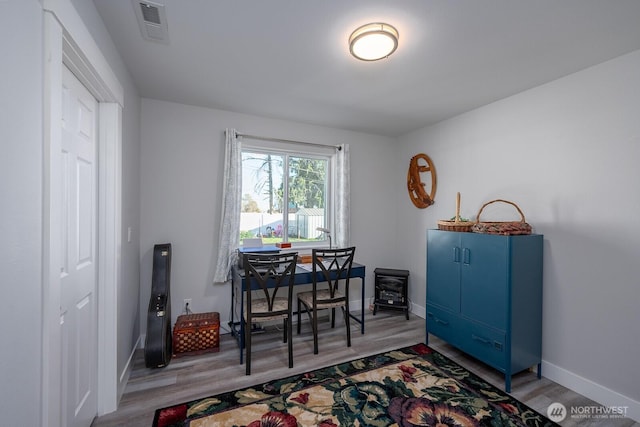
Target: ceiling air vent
{"points": [[152, 20]]}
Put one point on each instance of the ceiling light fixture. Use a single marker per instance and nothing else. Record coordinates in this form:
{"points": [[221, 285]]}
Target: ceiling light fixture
{"points": [[374, 41]]}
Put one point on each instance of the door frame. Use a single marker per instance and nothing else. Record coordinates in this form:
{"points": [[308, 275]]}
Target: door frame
{"points": [[67, 42]]}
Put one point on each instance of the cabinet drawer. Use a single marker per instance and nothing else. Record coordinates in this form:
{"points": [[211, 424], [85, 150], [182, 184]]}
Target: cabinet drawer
{"points": [[443, 324], [486, 344]]}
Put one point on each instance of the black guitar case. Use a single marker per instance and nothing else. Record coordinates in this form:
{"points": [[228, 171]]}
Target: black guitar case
{"points": [[157, 347]]}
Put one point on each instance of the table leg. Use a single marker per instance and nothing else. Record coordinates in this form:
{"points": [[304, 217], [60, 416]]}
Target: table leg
{"points": [[241, 341], [362, 308], [362, 312]]}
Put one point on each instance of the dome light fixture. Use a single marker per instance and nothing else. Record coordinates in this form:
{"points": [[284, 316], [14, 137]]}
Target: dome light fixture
{"points": [[374, 41]]}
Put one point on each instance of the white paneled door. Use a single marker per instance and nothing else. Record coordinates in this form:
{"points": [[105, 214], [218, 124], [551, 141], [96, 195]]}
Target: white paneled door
{"points": [[78, 272]]}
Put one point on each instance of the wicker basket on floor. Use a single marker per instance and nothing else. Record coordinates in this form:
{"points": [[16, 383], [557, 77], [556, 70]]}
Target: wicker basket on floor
{"points": [[507, 228]]}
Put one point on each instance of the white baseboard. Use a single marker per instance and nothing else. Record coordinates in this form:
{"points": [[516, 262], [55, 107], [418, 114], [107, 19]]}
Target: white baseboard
{"points": [[592, 390], [126, 371], [418, 310]]}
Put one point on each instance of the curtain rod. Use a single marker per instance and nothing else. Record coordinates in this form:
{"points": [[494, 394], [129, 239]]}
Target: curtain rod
{"points": [[266, 138]]}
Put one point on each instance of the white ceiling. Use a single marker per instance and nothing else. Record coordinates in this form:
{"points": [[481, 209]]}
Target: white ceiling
{"points": [[289, 59]]}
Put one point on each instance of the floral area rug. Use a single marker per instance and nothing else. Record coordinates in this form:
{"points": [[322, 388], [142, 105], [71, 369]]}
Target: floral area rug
{"points": [[412, 386]]}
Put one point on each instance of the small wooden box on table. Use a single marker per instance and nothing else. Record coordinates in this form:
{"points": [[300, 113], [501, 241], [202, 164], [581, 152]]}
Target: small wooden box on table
{"points": [[196, 334]]}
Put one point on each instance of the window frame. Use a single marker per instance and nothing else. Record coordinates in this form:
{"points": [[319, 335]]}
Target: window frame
{"points": [[288, 150]]}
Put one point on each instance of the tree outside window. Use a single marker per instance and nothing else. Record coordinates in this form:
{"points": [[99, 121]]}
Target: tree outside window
{"points": [[284, 196]]}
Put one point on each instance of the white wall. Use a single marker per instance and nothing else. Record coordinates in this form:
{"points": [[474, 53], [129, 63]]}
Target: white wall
{"points": [[21, 211], [568, 154], [181, 167]]}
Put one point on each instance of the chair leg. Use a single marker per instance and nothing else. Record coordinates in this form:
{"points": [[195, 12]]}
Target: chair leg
{"points": [[345, 311], [314, 326], [333, 317], [299, 311], [242, 340], [285, 324], [312, 319], [247, 340], [290, 343]]}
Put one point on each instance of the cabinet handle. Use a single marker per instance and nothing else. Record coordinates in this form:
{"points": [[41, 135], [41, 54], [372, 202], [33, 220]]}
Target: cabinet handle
{"points": [[442, 322], [482, 340], [467, 256], [456, 254]]}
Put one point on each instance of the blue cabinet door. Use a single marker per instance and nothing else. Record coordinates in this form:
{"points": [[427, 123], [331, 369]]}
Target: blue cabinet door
{"points": [[444, 256], [484, 284]]}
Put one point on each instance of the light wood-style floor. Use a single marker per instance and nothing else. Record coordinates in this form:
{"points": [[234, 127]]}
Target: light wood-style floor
{"points": [[194, 377]]}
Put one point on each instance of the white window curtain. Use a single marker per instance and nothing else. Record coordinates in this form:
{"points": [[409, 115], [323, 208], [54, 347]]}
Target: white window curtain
{"points": [[230, 222], [342, 199]]}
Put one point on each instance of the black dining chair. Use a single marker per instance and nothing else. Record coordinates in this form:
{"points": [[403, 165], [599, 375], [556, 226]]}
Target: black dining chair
{"points": [[331, 271], [265, 275]]}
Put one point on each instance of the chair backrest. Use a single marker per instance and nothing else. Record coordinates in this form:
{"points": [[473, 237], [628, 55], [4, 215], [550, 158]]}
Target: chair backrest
{"points": [[269, 272], [332, 265]]}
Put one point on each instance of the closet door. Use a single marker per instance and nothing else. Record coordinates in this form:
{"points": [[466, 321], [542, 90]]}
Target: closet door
{"points": [[78, 272]]}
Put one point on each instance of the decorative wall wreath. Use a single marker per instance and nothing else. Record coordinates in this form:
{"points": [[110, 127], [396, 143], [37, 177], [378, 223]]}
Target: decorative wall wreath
{"points": [[417, 193]]}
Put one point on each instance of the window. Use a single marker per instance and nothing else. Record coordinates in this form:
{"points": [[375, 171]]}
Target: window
{"points": [[285, 196]]}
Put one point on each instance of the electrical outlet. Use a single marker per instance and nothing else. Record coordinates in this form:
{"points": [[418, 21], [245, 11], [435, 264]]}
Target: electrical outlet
{"points": [[187, 304]]}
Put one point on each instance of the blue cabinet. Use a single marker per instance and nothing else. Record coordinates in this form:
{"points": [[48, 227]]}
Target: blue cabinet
{"points": [[484, 296]]}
